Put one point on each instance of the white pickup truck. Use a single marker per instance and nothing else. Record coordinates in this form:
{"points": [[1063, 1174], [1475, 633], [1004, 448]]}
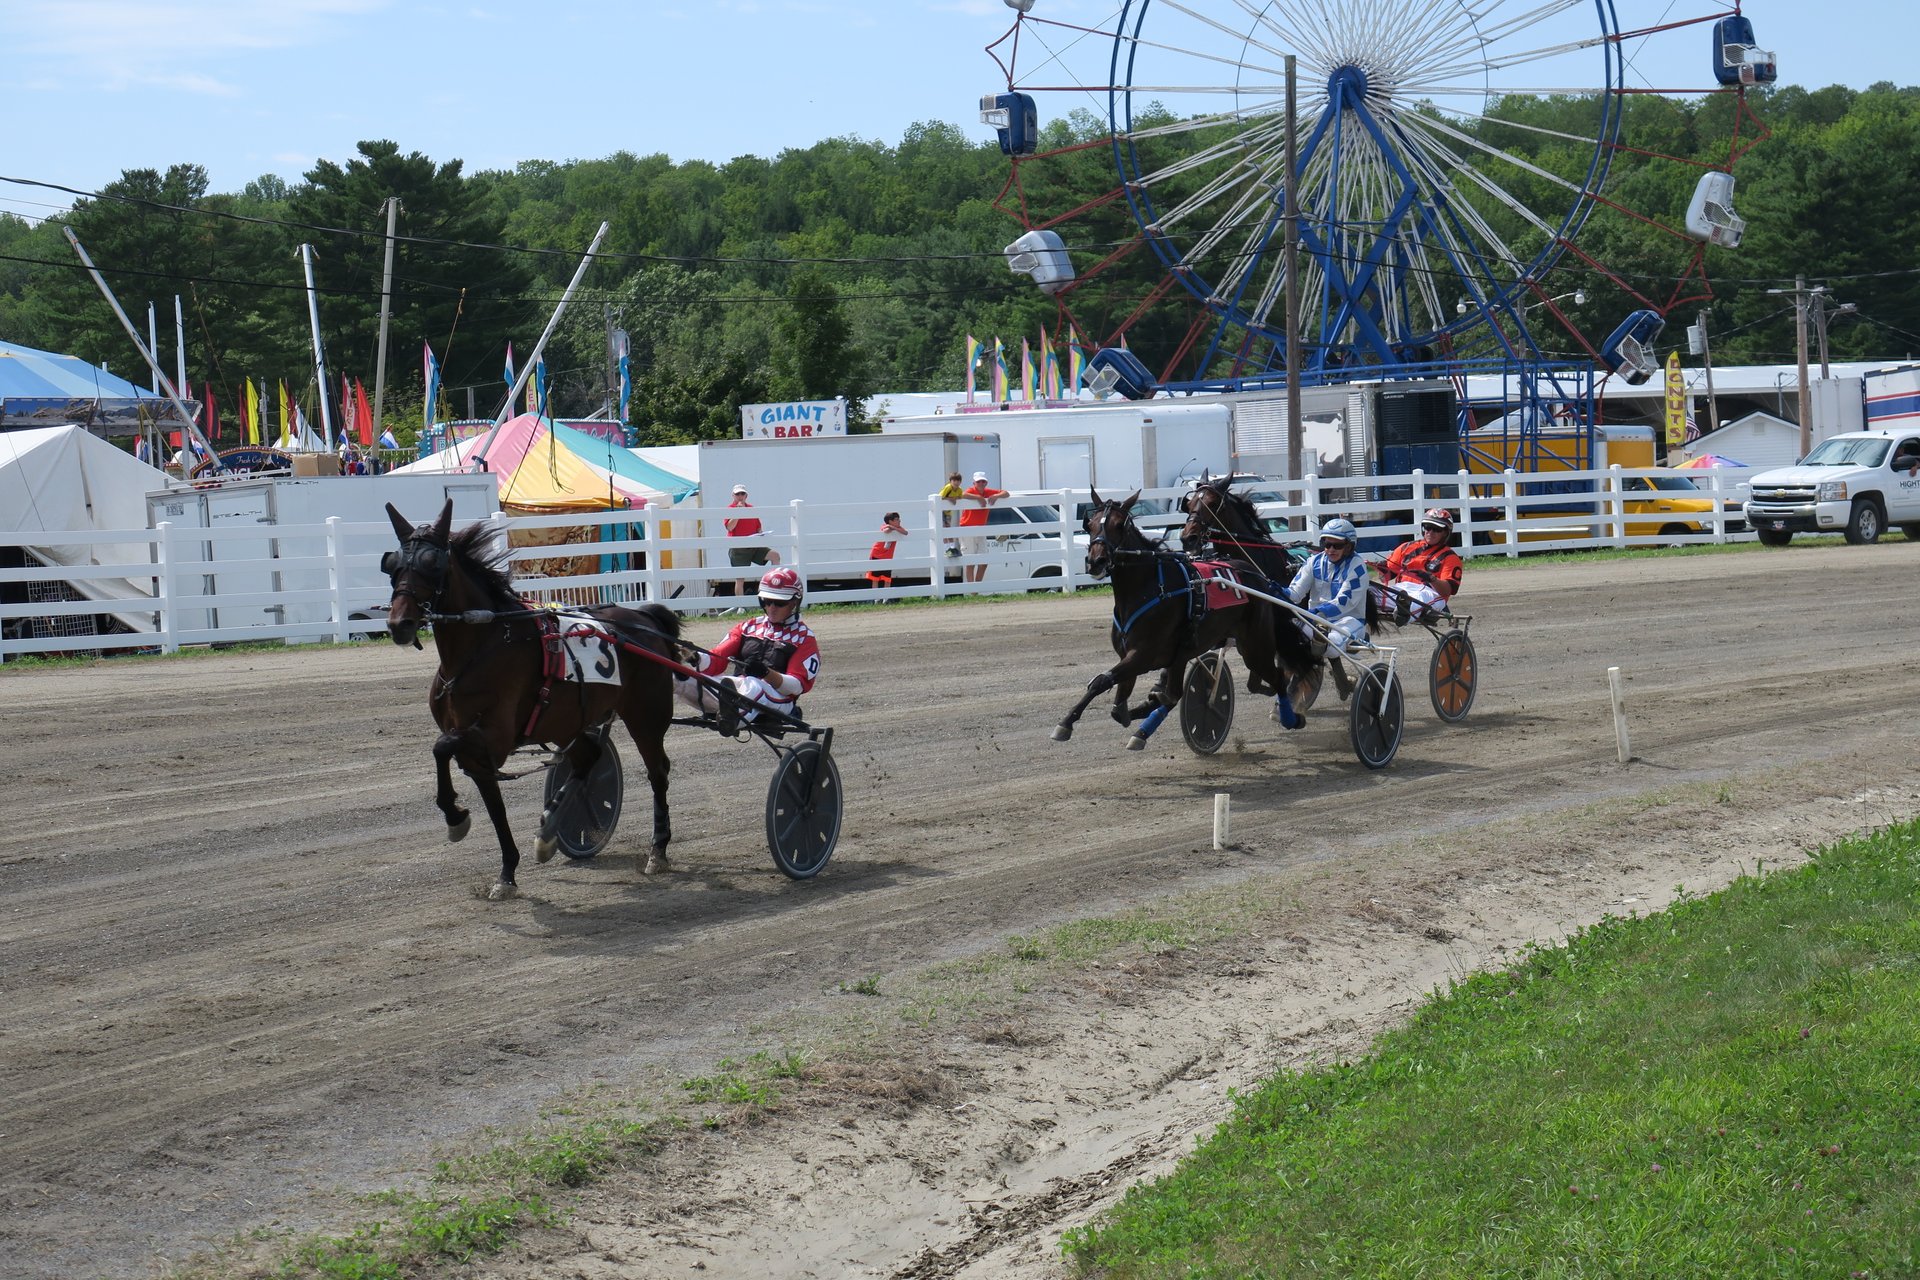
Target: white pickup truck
{"points": [[1857, 483]]}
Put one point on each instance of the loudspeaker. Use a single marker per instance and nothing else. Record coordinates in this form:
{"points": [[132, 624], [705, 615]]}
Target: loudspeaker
{"points": [[1407, 418]]}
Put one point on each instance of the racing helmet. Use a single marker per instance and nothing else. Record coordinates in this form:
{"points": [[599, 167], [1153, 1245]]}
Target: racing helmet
{"points": [[781, 583], [1437, 518], [1340, 528]]}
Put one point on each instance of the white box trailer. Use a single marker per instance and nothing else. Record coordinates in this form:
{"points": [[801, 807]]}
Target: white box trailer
{"points": [[243, 565], [1114, 447], [845, 483]]}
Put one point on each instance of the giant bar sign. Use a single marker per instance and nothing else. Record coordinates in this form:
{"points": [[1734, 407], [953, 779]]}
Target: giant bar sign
{"points": [[793, 420]]}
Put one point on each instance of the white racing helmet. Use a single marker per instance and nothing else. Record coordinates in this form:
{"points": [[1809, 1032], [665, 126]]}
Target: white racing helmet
{"points": [[1340, 528]]}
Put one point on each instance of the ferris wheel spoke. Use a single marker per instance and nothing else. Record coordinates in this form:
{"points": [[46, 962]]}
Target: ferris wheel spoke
{"points": [[1467, 210], [1224, 29], [1417, 124]]}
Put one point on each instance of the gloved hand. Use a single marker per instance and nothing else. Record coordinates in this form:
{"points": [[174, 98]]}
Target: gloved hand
{"points": [[1327, 609], [753, 667]]}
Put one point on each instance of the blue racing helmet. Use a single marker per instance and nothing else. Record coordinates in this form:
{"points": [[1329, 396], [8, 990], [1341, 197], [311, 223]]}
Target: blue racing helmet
{"points": [[1341, 529]]}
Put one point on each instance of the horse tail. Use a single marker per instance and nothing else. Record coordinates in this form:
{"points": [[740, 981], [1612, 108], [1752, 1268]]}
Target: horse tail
{"points": [[660, 618]]}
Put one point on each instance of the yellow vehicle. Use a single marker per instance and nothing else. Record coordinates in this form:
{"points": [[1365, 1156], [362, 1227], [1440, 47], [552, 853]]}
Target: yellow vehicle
{"points": [[1671, 501]]}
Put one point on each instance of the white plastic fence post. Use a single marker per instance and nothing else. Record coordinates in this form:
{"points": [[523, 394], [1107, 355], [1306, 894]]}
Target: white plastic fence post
{"points": [[1508, 480], [1311, 483], [1465, 524], [337, 579], [168, 588], [499, 530], [1068, 569], [796, 514], [1419, 499], [1222, 819], [649, 523], [1616, 506]]}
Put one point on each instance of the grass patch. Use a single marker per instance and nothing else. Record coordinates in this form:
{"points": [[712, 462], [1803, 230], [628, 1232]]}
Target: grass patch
{"points": [[1729, 1088]]}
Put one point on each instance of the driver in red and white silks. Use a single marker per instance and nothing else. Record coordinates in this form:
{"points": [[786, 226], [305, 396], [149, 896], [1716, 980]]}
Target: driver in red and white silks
{"points": [[1426, 570], [1333, 585], [775, 654]]}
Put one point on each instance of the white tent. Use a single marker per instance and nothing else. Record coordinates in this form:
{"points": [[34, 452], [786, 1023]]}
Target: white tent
{"points": [[64, 480]]}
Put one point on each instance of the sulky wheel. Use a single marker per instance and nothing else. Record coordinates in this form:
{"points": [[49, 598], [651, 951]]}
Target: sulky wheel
{"points": [[1206, 703], [803, 811], [586, 821], [1376, 716], [1452, 676]]}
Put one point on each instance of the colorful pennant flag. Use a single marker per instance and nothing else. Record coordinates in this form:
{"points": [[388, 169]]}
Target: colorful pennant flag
{"points": [[212, 415], [387, 441], [1001, 391], [537, 396], [288, 440], [973, 359], [1026, 371], [431, 378], [510, 374], [249, 424], [1076, 363], [362, 416], [623, 349]]}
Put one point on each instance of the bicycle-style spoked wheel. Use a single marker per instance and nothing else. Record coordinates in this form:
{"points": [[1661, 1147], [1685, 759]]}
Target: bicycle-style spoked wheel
{"points": [[1206, 703], [803, 811], [1453, 676], [1376, 716]]}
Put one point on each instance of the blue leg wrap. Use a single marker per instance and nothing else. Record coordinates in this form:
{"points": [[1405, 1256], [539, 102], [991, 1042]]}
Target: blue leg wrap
{"points": [[1284, 712], [1152, 722]]}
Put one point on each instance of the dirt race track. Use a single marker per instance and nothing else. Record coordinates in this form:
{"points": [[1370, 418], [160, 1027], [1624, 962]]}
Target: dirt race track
{"points": [[246, 977]]}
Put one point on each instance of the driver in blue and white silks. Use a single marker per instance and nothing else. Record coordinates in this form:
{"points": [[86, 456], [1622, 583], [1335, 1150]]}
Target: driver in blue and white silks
{"points": [[1333, 585]]}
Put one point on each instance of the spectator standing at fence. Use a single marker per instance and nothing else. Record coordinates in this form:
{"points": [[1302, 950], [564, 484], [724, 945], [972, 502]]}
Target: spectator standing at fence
{"points": [[891, 531], [975, 500], [741, 554], [950, 494]]}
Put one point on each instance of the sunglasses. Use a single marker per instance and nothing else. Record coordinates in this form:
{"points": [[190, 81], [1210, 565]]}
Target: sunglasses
{"points": [[1332, 544]]}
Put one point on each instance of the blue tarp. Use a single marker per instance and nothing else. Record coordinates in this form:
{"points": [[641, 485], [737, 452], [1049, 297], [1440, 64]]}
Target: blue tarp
{"points": [[45, 388]]}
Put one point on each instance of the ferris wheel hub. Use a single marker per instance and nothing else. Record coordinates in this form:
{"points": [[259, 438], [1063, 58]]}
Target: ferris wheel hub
{"points": [[1347, 82]]}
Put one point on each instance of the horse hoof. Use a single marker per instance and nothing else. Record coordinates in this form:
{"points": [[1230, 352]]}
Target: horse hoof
{"points": [[1136, 743], [545, 847], [651, 863], [502, 890], [457, 831], [1062, 732]]}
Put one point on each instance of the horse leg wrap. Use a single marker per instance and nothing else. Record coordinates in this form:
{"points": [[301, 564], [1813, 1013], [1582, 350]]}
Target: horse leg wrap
{"points": [[1284, 713], [1153, 720]]}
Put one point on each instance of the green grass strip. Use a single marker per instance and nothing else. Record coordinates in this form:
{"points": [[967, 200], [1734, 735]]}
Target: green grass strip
{"points": [[1729, 1088]]}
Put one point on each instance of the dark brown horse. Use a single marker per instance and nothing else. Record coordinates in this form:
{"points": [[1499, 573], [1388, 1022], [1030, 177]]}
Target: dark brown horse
{"points": [[1161, 622], [493, 692]]}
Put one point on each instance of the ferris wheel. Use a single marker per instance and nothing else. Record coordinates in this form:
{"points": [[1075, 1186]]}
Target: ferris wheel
{"points": [[1448, 156]]}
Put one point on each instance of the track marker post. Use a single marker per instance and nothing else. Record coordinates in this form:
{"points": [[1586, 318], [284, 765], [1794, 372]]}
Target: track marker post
{"points": [[1619, 714], [1221, 819]]}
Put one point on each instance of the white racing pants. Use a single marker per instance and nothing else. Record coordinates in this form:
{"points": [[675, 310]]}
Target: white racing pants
{"points": [[752, 689], [1425, 599]]}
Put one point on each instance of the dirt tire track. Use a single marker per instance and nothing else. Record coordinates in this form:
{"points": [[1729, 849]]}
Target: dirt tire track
{"points": [[234, 1004]]}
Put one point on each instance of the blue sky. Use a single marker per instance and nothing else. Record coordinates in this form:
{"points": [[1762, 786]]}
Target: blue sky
{"points": [[245, 88]]}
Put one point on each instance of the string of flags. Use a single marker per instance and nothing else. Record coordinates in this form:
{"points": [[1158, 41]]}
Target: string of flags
{"points": [[1047, 374]]}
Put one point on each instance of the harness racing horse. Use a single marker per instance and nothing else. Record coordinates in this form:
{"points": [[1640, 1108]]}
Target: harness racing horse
{"points": [[1227, 522], [1162, 620], [496, 689]]}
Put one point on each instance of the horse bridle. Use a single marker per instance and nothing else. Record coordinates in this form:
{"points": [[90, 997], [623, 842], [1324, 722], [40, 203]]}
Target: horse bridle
{"points": [[421, 558]]}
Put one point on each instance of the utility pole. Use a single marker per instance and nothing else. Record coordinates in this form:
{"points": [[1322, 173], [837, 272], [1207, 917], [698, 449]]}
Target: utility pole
{"points": [[1290, 210], [1801, 294], [611, 375], [1820, 324], [386, 299]]}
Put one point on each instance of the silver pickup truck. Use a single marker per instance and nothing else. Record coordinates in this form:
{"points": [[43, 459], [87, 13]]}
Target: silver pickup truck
{"points": [[1857, 483]]}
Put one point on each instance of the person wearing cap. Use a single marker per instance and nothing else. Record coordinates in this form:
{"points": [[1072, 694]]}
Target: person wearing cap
{"points": [[975, 499], [743, 555], [774, 658], [1423, 573]]}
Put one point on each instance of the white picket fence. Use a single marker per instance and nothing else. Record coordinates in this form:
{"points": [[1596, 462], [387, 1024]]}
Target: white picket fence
{"points": [[301, 584]]}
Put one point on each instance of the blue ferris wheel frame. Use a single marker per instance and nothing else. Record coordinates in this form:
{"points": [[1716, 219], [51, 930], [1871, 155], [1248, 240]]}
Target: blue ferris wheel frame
{"points": [[1346, 296]]}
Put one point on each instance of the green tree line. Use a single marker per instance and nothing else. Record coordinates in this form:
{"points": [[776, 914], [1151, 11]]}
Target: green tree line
{"points": [[857, 268]]}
